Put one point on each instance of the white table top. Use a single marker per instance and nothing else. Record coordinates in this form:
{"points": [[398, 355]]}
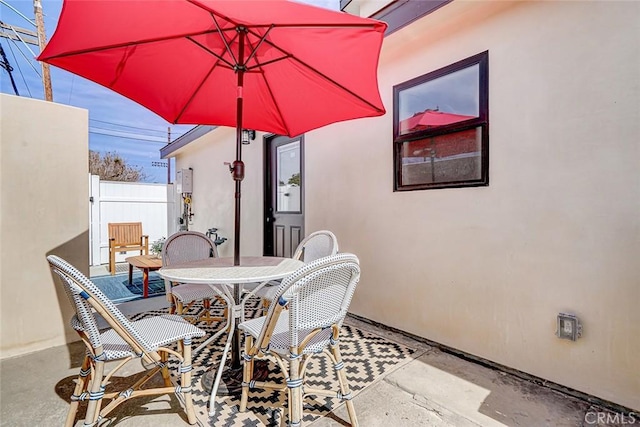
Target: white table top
{"points": [[222, 270]]}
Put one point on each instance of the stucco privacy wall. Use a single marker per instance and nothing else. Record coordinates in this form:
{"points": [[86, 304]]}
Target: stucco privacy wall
{"points": [[486, 270], [213, 202], [44, 209]]}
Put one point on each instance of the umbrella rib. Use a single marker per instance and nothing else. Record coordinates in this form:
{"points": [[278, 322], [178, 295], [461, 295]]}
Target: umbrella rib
{"points": [[275, 103], [224, 39], [193, 95], [322, 75], [268, 86], [254, 50], [329, 79], [206, 49], [261, 64], [136, 43], [315, 25]]}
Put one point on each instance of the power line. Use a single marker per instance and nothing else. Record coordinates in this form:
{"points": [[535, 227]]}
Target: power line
{"points": [[128, 126], [120, 130], [20, 70], [16, 36], [25, 57], [122, 133], [18, 12], [128, 137], [7, 66], [16, 33]]}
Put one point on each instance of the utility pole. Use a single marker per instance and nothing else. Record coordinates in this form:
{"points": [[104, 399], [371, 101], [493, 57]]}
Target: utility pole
{"points": [[42, 40], [169, 159]]}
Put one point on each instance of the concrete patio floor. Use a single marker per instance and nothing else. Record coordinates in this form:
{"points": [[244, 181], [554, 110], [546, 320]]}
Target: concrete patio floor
{"points": [[434, 389]]}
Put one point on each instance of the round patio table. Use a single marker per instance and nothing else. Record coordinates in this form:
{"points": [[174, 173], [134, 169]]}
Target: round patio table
{"points": [[221, 271]]}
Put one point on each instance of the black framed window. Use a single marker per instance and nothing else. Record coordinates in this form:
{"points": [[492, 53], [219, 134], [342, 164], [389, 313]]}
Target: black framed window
{"points": [[441, 127]]}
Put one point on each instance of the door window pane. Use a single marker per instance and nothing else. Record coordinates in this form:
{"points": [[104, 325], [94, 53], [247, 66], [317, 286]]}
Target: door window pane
{"points": [[288, 175]]}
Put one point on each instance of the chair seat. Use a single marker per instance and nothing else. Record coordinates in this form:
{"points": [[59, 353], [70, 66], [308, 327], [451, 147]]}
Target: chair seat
{"points": [[190, 292], [156, 331], [268, 291], [280, 342]]}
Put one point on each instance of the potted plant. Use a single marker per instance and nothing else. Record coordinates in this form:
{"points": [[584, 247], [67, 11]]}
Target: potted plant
{"points": [[156, 247]]}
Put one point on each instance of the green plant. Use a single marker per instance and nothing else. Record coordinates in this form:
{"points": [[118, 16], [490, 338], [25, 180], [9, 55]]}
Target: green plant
{"points": [[156, 246]]}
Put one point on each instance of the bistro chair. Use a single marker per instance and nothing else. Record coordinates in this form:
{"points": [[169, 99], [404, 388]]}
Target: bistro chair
{"points": [[150, 339], [181, 247], [317, 297], [316, 245]]}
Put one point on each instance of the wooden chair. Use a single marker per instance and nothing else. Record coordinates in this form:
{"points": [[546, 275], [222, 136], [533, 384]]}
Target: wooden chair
{"points": [[151, 340], [125, 237], [317, 297]]}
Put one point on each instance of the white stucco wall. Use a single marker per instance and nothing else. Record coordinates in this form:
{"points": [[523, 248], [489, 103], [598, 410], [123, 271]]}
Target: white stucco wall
{"points": [[213, 202], [486, 270], [44, 209]]}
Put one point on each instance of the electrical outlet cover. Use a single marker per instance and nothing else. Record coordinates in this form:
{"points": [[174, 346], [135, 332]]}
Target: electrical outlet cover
{"points": [[569, 327]]}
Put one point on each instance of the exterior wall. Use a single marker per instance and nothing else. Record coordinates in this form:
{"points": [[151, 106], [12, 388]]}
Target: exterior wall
{"points": [[44, 210], [213, 203], [486, 270]]}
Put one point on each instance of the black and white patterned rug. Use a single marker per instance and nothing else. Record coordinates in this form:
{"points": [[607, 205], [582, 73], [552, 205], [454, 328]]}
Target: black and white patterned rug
{"points": [[366, 357]]}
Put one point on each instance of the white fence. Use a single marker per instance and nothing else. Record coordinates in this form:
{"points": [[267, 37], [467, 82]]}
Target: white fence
{"points": [[113, 201]]}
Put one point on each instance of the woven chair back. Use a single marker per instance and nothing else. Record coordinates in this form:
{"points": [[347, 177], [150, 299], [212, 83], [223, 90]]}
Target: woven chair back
{"points": [[318, 295], [316, 245], [85, 295], [185, 246]]}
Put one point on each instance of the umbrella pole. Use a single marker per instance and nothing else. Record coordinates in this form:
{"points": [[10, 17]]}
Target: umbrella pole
{"points": [[231, 380], [238, 175]]}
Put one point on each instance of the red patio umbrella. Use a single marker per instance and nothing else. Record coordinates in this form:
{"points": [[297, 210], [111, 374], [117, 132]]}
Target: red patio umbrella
{"points": [[275, 66]]}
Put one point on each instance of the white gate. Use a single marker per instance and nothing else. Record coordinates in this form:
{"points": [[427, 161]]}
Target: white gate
{"points": [[112, 201]]}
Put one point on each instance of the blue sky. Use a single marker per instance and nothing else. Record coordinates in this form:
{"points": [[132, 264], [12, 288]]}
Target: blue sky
{"points": [[115, 123]]}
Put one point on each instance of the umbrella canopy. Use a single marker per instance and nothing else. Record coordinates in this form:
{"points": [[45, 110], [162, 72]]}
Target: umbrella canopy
{"points": [[272, 65], [303, 67]]}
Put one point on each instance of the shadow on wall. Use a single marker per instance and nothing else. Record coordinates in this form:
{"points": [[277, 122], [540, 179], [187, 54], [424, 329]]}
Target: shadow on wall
{"points": [[74, 251]]}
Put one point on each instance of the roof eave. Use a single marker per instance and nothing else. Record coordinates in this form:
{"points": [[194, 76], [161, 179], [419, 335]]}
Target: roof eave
{"points": [[197, 132]]}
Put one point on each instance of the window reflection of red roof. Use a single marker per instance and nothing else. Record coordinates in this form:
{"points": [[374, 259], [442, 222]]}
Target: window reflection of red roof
{"points": [[429, 119]]}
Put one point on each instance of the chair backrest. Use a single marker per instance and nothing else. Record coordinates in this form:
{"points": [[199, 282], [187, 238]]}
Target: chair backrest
{"points": [[317, 295], [185, 246], [85, 295], [125, 233], [316, 245]]}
